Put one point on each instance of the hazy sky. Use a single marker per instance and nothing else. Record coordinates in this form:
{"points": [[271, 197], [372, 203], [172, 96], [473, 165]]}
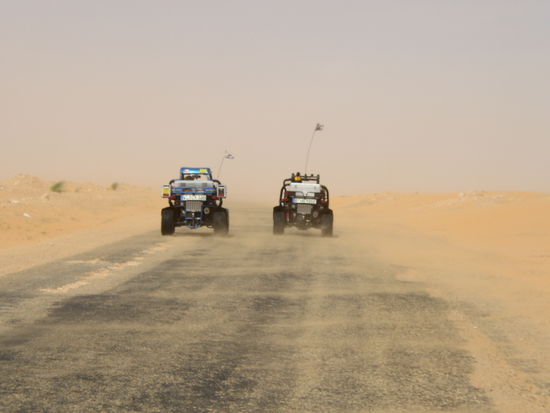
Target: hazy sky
{"points": [[426, 95]]}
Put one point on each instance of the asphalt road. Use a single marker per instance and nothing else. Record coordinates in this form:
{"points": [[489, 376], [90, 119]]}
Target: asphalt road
{"points": [[245, 323]]}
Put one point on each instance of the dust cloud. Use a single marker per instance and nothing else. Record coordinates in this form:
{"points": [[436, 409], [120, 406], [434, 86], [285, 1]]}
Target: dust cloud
{"points": [[430, 97], [485, 253], [435, 143]]}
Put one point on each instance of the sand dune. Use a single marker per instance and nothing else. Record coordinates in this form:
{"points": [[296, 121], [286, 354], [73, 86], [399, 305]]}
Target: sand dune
{"points": [[30, 211], [38, 225], [508, 227], [511, 225]]}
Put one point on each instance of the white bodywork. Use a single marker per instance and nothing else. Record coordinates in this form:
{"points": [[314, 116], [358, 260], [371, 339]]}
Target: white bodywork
{"points": [[304, 189]]}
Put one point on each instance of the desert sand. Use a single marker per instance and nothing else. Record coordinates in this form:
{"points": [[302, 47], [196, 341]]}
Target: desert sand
{"points": [[31, 211], [488, 253], [485, 252], [38, 225]]}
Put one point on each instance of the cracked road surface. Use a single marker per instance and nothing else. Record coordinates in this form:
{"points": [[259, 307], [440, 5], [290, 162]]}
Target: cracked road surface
{"points": [[247, 323]]}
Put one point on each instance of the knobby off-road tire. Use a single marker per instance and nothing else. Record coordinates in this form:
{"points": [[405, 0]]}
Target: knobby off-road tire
{"points": [[220, 222], [168, 221], [327, 221], [279, 222]]}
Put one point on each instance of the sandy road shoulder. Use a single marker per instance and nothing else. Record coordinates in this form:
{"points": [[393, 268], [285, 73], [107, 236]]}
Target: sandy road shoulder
{"points": [[22, 257]]}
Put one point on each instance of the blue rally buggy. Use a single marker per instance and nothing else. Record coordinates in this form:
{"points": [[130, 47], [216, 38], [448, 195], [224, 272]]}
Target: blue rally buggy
{"points": [[195, 200]]}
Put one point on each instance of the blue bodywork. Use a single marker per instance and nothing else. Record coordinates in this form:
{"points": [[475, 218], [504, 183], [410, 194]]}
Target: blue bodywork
{"points": [[202, 171], [193, 187], [195, 200], [206, 190]]}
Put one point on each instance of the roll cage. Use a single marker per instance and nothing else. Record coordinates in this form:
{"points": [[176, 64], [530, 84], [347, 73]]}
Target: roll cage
{"points": [[297, 178]]}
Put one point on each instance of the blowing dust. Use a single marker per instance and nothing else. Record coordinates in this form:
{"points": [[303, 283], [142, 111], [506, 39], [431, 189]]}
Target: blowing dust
{"points": [[485, 252]]}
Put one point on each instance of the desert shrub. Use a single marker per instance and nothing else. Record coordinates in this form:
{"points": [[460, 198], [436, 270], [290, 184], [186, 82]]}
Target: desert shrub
{"points": [[114, 186], [58, 187]]}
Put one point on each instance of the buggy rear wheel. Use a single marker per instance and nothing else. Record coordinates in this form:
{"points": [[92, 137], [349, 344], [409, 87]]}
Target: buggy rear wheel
{"points": [[220, 222], [168, 221], [279, 222], [327, 221]]}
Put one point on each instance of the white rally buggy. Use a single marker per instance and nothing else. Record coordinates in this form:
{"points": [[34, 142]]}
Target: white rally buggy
{"points": [[303, 203]]}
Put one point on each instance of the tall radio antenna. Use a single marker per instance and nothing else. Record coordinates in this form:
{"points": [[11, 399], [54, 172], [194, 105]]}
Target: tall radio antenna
{"points": [[318, 127], [225, 156]]}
